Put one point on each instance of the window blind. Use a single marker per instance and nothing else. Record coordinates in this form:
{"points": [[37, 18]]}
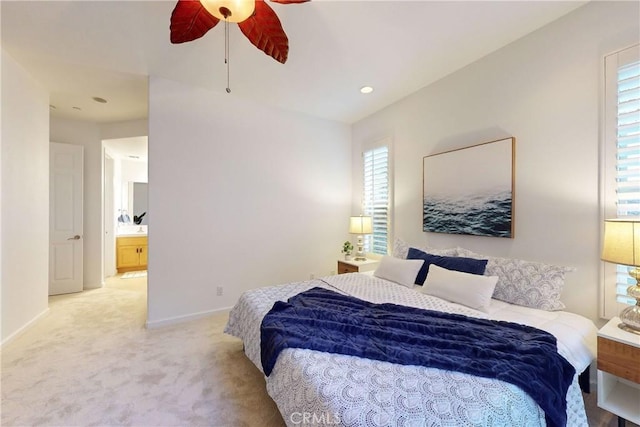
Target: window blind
{"points": [[627, 159], [376, 198]]}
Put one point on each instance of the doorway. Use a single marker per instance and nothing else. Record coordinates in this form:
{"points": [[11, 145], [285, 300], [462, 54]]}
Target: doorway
{"points": [[125, 165]]}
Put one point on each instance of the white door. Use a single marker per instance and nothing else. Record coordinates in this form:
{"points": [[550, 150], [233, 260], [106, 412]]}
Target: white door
{"points": [[65, 218]]}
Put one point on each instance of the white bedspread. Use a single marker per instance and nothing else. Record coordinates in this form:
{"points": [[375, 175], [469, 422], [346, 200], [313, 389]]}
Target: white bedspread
{"points": [[316, 388]]}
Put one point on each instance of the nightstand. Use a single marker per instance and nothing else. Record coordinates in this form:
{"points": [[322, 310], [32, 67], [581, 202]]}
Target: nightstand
{"points": [[619, 372], [357, 266]]}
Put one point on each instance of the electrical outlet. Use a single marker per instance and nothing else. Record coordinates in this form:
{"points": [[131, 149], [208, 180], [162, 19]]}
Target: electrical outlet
{"points": [[219, 291], [312, 276]]}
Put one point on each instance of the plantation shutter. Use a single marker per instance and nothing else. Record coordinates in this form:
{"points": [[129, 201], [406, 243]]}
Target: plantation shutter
{"points": [[627, 159], [620, 171], [376, 198]]}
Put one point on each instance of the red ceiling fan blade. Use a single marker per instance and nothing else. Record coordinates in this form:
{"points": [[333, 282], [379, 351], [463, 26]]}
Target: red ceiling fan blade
{"points": [[190, 21], [264, 30], [289, 1]]}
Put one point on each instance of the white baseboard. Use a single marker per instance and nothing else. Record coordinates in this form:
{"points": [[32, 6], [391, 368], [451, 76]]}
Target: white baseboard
{"points": [[185, 318], [24, 328]]}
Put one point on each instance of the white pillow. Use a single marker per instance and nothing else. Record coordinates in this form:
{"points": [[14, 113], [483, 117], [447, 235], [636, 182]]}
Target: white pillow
{"points": [[400, 271], [472, 290]]}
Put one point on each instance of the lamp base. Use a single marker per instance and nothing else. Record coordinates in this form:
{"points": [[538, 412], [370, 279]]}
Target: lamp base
{"points": [[360, 254], [628, 329], [630, 316]]}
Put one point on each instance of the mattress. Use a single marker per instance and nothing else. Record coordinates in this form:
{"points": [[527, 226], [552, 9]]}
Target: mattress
{"points": [[317, 388]]}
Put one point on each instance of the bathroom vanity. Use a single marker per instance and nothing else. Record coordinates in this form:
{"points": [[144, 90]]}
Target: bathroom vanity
{"points": [[131, 249]]}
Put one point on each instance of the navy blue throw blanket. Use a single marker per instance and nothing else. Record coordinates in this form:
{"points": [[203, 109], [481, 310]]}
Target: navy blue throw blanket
{"points": [[323, 320]]}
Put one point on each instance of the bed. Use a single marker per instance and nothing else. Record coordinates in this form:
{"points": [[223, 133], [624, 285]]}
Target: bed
{"points": [[319, 388]]}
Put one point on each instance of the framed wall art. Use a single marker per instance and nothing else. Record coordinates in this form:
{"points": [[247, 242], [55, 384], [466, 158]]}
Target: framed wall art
{"points": [[470, 190]]}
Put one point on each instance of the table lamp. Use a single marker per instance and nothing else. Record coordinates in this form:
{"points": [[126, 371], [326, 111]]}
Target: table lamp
{"points": [[360, 225], [622, 246]]}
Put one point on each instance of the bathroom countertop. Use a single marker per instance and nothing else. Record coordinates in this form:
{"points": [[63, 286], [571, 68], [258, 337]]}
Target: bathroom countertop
{"points": [[132, 231]]}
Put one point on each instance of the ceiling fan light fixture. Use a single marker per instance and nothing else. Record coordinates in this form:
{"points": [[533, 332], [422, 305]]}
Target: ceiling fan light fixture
{"points": [[191, 19], [230, 10]]}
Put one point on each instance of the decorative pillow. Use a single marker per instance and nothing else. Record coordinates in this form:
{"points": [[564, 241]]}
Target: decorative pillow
{"points": [[526, 283], [401, 249], [472, 290], [466, 265], [401, 271]]}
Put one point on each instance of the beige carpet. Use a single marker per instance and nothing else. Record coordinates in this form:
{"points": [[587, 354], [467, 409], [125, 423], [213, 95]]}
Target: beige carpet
{"points": [[91, 362]]}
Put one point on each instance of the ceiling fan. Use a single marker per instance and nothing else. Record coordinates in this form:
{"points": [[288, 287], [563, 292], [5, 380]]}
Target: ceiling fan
{"points": [[191, 19]]}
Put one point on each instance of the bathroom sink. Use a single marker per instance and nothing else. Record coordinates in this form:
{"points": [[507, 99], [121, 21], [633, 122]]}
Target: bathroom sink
{"points": [[131, 230]]}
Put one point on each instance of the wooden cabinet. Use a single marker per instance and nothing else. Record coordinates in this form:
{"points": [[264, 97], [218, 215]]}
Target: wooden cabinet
{"points": [[131, 253], [619, 372], [357, 266]]}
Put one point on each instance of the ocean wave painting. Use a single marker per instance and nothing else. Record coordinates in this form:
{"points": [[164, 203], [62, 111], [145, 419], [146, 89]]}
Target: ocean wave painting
{"points": [[470, 190], [480, 215]]}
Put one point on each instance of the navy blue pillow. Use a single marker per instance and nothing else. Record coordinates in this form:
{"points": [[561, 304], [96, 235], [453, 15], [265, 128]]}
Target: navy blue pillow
{"points": [[466, 265]]}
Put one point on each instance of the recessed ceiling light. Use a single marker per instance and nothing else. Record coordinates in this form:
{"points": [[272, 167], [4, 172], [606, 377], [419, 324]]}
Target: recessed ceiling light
{"points": [[134, 157], [100, 100], [366, 89]]}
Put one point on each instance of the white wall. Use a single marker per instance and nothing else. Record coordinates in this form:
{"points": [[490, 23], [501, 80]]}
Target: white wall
{"points": [[126, 129], [90, 136], [242, 196], [545, 90], [24, 199], [133, 171], [1, 317]]}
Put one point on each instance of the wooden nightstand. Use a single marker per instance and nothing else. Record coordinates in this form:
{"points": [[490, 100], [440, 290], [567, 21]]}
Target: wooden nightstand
{"points": [[619, 372], [357, 266]]}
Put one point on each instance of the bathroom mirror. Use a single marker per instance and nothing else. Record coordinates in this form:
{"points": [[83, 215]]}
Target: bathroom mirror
{"points": [[134, 204], [139, 212]]}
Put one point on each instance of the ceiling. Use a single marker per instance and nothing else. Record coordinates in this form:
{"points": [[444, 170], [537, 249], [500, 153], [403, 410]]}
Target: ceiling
{"points": [[107, 49]]}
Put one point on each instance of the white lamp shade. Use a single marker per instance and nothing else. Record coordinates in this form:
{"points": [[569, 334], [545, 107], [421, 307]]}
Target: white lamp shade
{"points": [[622, 241], [239, 10], [360, 225]]}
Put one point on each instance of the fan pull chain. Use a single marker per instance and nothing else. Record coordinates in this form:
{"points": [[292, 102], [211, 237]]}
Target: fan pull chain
{"points": [[226, 51]]}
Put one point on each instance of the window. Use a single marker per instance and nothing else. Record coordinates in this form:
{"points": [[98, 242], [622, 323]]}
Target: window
{"points": [[376, 197], [621, 169], [628, 140]]}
